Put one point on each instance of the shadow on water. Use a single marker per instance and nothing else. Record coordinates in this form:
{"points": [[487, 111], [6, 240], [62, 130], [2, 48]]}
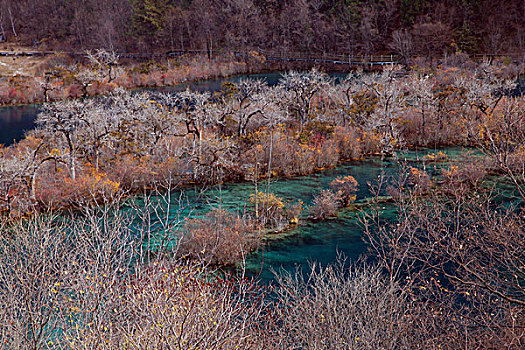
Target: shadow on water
{"points": [[15, 121]]}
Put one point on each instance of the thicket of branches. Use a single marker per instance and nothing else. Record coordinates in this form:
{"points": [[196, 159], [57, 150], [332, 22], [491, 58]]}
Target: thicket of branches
{"points": [[249, 130], [95, 281], [119, 273], [457, 249]]}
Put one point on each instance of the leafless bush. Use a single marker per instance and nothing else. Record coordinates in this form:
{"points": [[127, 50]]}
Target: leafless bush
{"points": [[182, 306], [465, 175], [269, 209], [345, 308], [460, 255], [348, 143], [105, 278], [502, 137], [48, 261], [293, 210], [420, 180], [325, 204], [220, 237]]}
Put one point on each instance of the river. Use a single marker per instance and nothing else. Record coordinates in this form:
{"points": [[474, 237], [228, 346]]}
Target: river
{"points": [[319, 241], [16, 120]]}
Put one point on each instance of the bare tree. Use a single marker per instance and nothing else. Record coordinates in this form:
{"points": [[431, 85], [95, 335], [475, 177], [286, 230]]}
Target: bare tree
{"points": [[447, 249], [390, 102], [193, 110], [104, 61], [64, 119], [341, 307], [402, 44], [302, 89]]}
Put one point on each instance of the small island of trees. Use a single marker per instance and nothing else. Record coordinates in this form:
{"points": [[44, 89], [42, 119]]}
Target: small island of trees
{"points": [[102, 248]]}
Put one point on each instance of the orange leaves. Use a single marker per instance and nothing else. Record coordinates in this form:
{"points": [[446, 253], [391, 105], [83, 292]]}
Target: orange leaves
{"points": [[92, 184], [58, 190], [345, 188], [435, 157], [270, 201], [96, 181]]}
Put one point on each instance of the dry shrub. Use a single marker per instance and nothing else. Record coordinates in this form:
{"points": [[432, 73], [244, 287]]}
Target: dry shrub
{"points": [[324, 205], [370, 143], [291, 157], [83, 283], [55, 189], [273, 212], [182, 306], [420, 180], [219, 238], [345, 308], [269, 207], [56, 274], [464, 176], [132, 172], [516, 160], [460, 60], [345, 188], [455, 255], [93, 184], [288, 157], [348, 142], [435, 157], [411, 126], [293, 210], [300, 160], [326, 155]]}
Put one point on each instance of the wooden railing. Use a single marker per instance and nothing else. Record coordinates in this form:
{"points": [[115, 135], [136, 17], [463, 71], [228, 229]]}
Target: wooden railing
{"points": [[270, 56]]}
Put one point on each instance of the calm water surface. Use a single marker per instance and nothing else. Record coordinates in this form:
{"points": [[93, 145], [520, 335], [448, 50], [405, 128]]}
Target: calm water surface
{"points": [[319, 241], [16, 120]]}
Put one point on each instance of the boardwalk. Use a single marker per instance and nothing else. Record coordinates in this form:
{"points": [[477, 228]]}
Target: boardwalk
{"points": [[345, 60]]}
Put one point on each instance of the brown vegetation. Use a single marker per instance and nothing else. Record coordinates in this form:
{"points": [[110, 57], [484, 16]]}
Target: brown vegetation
{"points": [[219, 238], [420, 27], [448, 274], [127, 141]]}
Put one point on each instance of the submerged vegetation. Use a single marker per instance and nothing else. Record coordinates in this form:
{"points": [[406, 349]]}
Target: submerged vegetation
{"points": [[118, 272]]}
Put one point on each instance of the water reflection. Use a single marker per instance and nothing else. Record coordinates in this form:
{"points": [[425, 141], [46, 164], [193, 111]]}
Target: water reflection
{"points": [[15, 121]]}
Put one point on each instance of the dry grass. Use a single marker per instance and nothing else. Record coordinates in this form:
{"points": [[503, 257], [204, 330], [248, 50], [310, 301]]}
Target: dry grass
{"points": [[26, 66]]}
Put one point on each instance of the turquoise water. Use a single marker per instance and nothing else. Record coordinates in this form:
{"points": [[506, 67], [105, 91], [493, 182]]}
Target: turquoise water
{"points": [[319, 241]]}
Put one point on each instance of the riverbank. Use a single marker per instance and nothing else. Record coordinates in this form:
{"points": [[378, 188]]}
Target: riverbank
{"points": [[121, 275], [59, 77]]}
